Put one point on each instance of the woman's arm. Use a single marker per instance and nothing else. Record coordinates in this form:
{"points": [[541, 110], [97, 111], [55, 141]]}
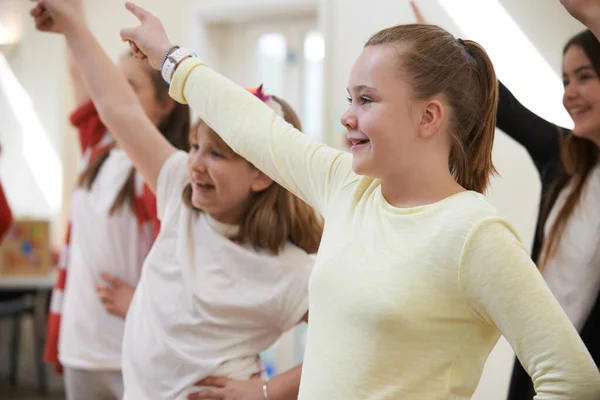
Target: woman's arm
{"points": [[540, 138], [114, 99], [45, 24], [507, 291], [79, 90], [587, 12]]}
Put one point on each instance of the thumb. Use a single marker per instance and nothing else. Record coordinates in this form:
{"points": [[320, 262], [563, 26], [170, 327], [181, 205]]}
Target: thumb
{"points": [[138, 11], [128, 34]]}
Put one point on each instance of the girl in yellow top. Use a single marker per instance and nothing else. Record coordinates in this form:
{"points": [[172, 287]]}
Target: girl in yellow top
{"points": [[417, 276]]}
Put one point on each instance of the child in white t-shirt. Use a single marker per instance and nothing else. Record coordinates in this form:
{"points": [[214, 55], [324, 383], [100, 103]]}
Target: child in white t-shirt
{"points": [[228, 272], [219, 286]]}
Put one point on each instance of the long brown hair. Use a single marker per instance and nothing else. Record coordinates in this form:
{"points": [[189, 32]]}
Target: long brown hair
{"points": [[275, 215], [174, 127], [578, 157], [435, 63]]}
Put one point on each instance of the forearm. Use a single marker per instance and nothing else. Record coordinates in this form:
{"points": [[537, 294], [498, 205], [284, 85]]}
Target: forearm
{"points": [[595, 28], [591, 19], [106, 85], [286, 385], [117, 104], [79, 89], [507, 291], [540, 138]]}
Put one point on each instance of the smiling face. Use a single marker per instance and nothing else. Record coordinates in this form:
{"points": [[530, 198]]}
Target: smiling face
{"points": [[223, 183], [382, 117], [581, 98]]}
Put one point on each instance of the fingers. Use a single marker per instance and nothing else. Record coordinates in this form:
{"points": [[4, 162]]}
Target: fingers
{"points": [[37, 11], [128, 35], [43, 25], [216, 381], [111, 279], [136, 51], [208, 394], [256, 375], [417, 12], [43, 20], [105, 293], [138, 11]]}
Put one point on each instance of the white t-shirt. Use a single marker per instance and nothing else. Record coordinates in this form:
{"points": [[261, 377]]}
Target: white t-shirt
{"points": [[90, 337], [205, 305], [573, 274]]}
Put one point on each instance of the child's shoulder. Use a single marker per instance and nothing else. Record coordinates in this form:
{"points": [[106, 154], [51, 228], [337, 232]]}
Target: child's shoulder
{"points": [[292, 256], [472, 205], [471, 210]]}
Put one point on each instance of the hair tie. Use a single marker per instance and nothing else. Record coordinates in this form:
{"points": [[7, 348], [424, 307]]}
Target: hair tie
{"points": [[462, 42], [258, 92], [267, 99]]}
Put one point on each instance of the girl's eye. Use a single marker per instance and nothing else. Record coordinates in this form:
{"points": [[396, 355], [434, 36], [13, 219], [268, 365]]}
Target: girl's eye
{"points": [[365, 100]]}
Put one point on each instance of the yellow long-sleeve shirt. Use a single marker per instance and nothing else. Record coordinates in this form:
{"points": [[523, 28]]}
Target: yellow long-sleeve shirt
{"points": [[404, 303]]}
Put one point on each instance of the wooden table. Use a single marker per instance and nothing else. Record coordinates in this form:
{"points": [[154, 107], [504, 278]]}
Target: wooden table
{"points": [[27, 282]]}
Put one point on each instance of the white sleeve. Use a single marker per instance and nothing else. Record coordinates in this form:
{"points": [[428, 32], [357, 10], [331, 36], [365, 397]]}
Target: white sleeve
{"points": [[506, 290], [294, 294], [588, 292], [172, 179]]}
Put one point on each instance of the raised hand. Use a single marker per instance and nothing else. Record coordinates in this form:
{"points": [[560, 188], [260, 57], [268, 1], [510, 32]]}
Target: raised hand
{"points": [[587, 12], [54, 15], [149, 40], [417, 12], [584, 10]]}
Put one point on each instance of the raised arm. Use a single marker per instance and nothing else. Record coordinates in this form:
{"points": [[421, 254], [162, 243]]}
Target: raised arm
{"points": [[114, 99], [45, 24], [587, 12], [507, 291], [540, 138], [309, 169], [79, 90]]}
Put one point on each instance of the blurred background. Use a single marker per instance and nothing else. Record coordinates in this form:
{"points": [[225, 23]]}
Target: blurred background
{"points": [[302, 50]]}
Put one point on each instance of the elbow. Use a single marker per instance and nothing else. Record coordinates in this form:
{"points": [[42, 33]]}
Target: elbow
{"points": [[583, 387], [593, 390], [579, 382]]}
